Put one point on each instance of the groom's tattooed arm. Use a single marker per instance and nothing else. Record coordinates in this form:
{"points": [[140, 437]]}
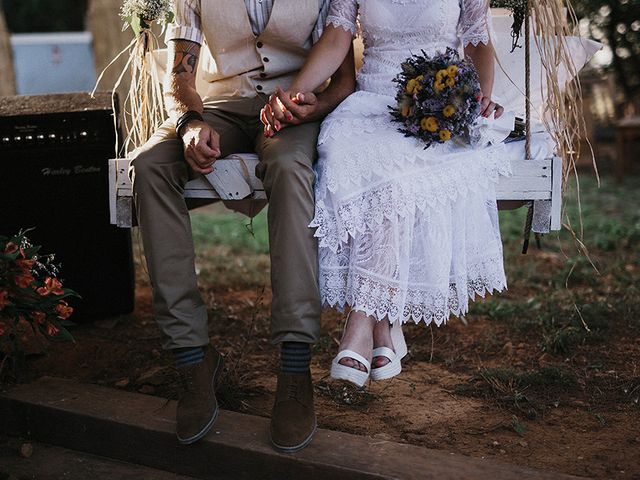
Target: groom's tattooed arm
{"points": [[180, 82], [186, 57]]}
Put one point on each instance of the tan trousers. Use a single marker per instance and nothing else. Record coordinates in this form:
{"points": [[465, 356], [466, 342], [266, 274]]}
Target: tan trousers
{"points": [[159, 173]]}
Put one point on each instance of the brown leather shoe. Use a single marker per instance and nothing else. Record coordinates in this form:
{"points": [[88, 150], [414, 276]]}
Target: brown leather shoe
{"points": [[198, 407], [293, 420]]}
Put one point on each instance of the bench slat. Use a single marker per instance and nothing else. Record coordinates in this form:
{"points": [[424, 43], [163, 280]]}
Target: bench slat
{"points": [[234, 181]]}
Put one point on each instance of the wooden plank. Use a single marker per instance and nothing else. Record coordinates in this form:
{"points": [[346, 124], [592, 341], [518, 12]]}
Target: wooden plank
{"points": [[113, 192], [49, 462], [556, 195], [530, 180], [140, 429], [235, 178]]}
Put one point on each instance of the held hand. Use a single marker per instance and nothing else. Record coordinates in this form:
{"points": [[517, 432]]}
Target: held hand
{"points": [[285, 109], [201, 146], [488, 106]]}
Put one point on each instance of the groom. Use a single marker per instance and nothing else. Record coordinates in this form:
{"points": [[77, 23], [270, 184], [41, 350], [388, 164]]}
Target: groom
{"points": [[254, 45]]}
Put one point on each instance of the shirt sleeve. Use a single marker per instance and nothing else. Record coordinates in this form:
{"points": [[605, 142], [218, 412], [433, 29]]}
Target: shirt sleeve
{"points": [[322, 18], [187, 23], [343, 14], [475, 24]]}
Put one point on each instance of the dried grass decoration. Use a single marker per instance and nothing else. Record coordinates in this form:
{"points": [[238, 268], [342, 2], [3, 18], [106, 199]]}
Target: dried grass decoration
{"points": [[550, 23], [144, 103]]}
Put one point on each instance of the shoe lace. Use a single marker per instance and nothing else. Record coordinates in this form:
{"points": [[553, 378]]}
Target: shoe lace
{"points": [[292, 390]]}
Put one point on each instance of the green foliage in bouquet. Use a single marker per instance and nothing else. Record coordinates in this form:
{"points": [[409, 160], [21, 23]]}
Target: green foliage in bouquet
{"points": [[139, 14], [437, 97], [31, 296]]}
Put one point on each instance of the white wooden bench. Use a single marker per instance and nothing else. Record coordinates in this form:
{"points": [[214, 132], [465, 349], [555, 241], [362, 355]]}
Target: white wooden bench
{"points": [[234, 182]]}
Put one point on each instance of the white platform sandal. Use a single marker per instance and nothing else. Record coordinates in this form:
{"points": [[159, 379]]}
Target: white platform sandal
{"points": [[350, 374], [394, 367]]}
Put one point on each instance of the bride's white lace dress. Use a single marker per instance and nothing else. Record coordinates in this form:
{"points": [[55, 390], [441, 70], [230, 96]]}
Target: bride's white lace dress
{"points": [[404, 233]]}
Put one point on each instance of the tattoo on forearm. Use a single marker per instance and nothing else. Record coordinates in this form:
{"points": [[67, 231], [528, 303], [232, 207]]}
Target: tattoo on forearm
{"points": [[186, 57]]}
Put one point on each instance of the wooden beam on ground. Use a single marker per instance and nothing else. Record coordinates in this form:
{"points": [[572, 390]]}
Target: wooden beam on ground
{"points": [[140, 429], [49, 462]]}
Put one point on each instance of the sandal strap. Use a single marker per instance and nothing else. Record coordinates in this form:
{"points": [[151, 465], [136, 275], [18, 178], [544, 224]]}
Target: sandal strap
{"points": [[384, 352], [354, 355]]}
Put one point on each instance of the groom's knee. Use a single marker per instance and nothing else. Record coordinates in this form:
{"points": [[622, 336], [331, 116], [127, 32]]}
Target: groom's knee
{"points": [[285, 169], [288, 162], [157, 163]]}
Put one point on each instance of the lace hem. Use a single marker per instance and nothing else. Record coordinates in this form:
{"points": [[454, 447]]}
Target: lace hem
{"points": [[363, 211], [339, 22], [360, 291], [476, 40]]}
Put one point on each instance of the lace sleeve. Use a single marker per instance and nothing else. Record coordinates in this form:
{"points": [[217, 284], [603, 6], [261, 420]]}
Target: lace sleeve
{"points": [[475, 24], [343, 14]]}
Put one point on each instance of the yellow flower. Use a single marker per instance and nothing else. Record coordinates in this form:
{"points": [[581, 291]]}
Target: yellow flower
{"points": [[450, 82], [448, 111], [438, 86], [419, 78], [445, 135], [440, 74], [452, 70], [429, 124], [406, 110], [411, 86]]}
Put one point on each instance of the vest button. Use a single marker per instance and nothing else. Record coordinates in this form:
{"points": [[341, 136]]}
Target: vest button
{"points": [[258, 87], [265, 59], [259, 44]]}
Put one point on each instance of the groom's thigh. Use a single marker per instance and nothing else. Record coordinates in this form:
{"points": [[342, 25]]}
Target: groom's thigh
{"points": [[286, 171], [162, 156], [291, 153]]}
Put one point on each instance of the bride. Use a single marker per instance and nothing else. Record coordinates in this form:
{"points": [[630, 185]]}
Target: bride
{"points": [[405, 233]]}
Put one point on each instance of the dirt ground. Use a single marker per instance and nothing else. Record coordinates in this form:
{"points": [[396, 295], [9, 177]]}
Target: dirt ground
{"points": [[440, 401], [522, 381]]}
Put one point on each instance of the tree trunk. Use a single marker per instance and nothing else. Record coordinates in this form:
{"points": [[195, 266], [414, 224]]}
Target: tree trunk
{"points": [[8, 78], [105, 24]]}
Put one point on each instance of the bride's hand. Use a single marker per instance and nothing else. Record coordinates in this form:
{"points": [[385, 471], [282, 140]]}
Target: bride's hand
{"points": [[285, 109], [488, 106]]}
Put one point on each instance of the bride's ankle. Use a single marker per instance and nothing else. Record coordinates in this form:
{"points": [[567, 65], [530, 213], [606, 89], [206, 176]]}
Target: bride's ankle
{"points": [[382, 334]]}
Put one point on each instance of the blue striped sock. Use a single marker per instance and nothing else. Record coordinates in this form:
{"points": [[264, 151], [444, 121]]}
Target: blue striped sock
{"points": [[295, 357], [187, 356]]}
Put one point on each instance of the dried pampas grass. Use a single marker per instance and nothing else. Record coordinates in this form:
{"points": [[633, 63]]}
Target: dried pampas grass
{"points": [[144, 102]]}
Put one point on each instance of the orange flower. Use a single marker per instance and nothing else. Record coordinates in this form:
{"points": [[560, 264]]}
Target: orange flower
{"points": [[11, 248], [24, 280], [64, 310], [52, 330], [51, 285], [25, 264], [4, 300], [39, 317]]}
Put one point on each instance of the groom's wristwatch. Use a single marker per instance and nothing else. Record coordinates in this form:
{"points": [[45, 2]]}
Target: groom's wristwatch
{"points": [[186, 118]]}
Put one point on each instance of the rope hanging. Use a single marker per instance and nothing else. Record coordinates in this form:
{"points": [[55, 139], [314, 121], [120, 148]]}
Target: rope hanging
{"points": [[527, 131]]}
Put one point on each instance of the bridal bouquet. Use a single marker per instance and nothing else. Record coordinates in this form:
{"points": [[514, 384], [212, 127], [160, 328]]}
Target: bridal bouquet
{"points": [[438, 97]]}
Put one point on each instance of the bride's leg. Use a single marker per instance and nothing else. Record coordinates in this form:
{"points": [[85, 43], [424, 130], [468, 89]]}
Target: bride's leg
{"points": [[358, 336], [381, 338]]}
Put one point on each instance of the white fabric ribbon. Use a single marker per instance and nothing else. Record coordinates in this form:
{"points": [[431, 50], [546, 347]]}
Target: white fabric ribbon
{"points": [[491, 131]]}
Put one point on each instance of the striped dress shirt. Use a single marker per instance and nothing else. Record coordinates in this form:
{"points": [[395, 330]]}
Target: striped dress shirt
{"points": [[187, 24]]}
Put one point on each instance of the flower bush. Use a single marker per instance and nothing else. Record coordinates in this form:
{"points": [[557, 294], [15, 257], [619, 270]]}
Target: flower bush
{"points": [[32, 298], [438, 97]]}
